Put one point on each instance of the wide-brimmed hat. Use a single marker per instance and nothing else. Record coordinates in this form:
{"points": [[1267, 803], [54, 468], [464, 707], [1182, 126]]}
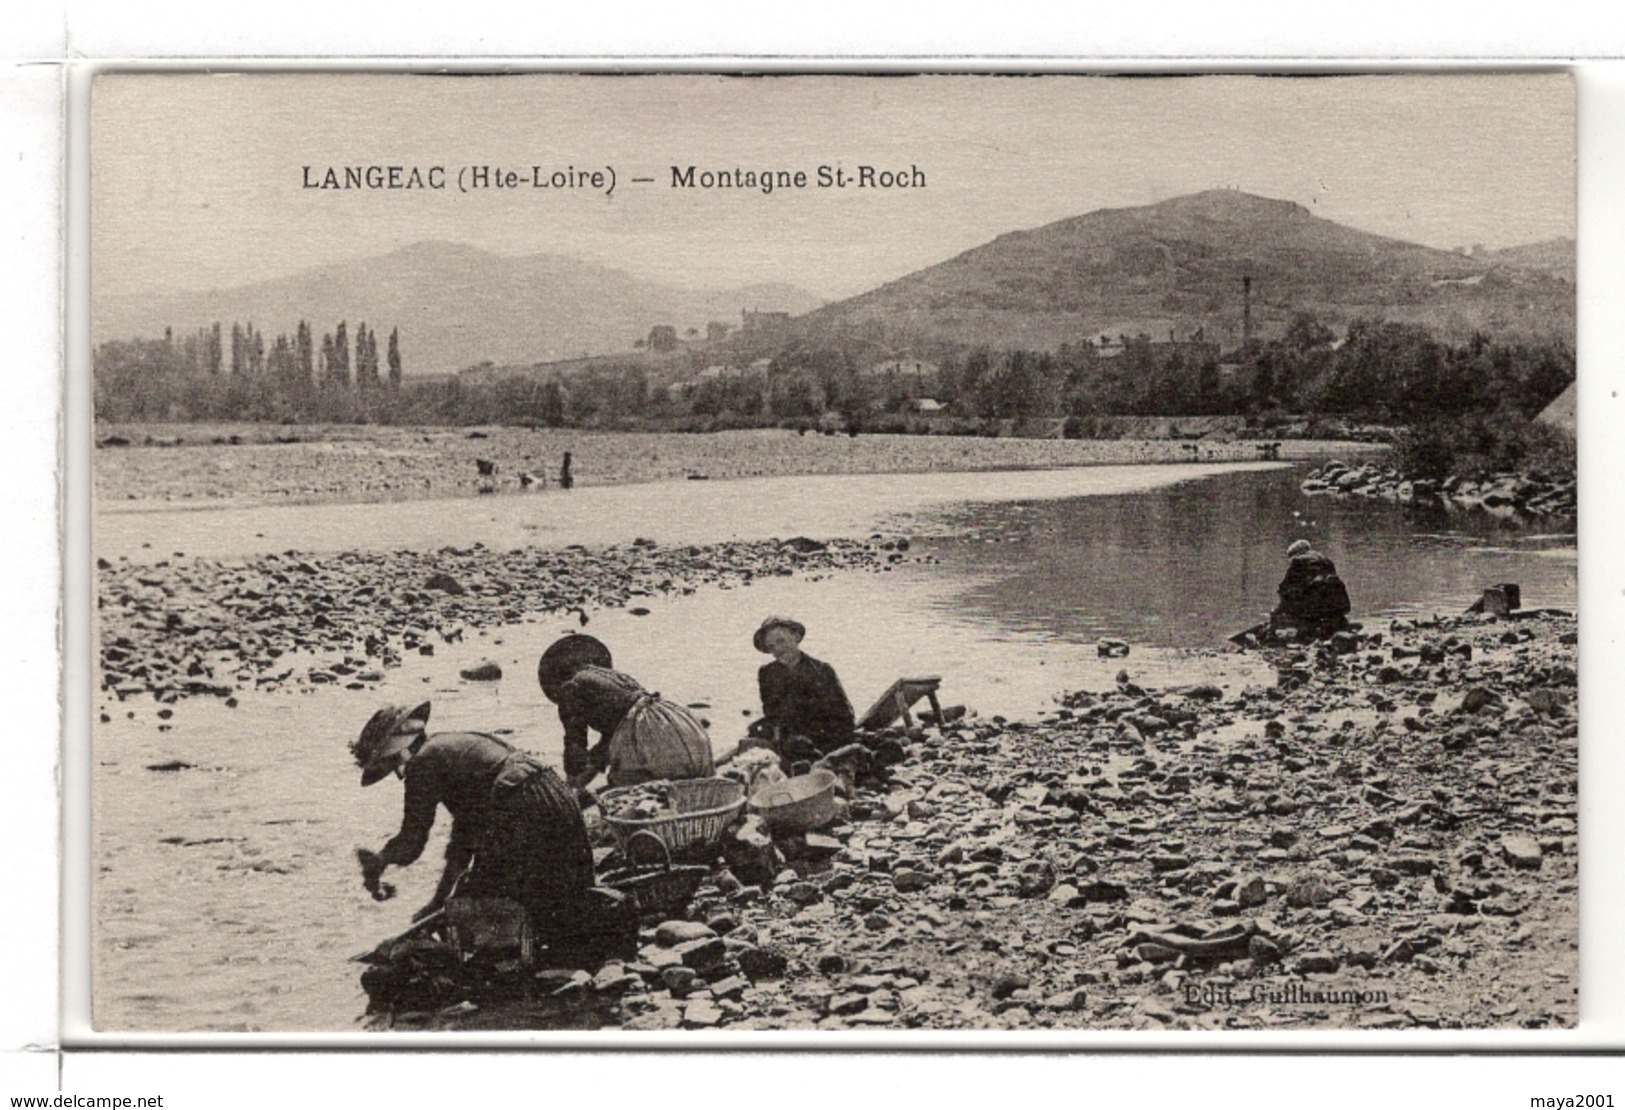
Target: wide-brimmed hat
{"points": [[391, 730], [796, 627], [566, 656], [1299, 547]]}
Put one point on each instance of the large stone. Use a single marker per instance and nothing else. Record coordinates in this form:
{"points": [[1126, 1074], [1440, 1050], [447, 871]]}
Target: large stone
{"points": [[763, 963], [1262, 950], [1308, 891], [908, 881], [488, 671], [1478, 698], [1521, 852], [1315, 963], [848, 1003], [702, 954], [1250, 891], [750, 852], [678, 979], [672, 933]]}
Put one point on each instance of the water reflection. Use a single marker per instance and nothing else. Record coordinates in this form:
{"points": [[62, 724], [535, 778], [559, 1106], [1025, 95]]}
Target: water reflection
{"points": [[1187, 565]]}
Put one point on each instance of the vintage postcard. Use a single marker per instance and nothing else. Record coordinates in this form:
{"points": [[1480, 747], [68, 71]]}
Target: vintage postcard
{"points": [[889, 554]]}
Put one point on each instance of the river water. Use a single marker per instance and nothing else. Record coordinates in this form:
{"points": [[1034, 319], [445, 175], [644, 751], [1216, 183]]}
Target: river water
{"points": [[226, 896]]}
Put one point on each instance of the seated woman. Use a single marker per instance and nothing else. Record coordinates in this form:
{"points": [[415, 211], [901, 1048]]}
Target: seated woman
{"points": [[805, 709], [642, 736], [516, 831]]}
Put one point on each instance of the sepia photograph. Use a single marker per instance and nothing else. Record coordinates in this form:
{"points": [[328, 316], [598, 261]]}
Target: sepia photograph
{"points": [[890, 554]]}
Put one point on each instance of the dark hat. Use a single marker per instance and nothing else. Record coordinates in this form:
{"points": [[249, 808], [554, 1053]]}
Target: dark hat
{"points": [[391, 730], [565, 657], [760, 639]]}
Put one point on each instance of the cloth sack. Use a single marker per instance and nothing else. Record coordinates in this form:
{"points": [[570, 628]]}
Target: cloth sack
{"points": [[658, 740]]}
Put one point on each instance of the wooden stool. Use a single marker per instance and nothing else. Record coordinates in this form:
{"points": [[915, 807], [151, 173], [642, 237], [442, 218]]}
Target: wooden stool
{"points": [[899, 697]]}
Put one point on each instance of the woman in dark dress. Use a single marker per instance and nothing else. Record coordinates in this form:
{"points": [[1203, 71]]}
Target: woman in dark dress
{"points": [[803, 703], [516, 830]]}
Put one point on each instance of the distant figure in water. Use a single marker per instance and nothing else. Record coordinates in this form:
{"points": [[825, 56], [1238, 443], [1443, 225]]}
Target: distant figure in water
{"points": [[1314, 601], [565, 480]]}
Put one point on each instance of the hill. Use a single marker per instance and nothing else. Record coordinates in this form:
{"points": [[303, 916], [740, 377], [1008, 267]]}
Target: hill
{"points": [[1554, 256], [1178, 265], [456, 306]]}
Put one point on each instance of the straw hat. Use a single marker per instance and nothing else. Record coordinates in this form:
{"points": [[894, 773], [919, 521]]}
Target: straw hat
{"points": [[1299, 547], [565, 657], [796, 628], [391, 730]]}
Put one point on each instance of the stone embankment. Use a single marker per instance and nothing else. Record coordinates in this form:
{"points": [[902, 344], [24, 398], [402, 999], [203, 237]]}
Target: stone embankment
{"points": [[1384, 839], [1530, 494]]}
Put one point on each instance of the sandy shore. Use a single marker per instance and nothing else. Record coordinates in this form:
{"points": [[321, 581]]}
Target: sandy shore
{"points": [[193, 463]]}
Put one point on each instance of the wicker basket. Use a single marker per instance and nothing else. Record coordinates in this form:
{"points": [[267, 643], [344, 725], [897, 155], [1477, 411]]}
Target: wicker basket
{"points": [[660, 889], [473, 924], [701, 811]]}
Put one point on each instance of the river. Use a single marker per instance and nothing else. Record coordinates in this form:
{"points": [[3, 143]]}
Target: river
{"points": [[226, 896]]}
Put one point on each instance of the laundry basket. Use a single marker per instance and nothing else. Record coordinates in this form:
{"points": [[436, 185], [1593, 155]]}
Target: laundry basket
{"points": [[697, 812]]}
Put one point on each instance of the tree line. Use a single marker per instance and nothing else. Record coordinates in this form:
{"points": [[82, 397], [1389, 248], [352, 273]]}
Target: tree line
{"points": [[1377, 370], [200, 376]]}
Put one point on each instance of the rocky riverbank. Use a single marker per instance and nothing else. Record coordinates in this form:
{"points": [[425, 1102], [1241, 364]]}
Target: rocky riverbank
{"points": [[1530, 494], [1384, 839], [275, 464], [188, 627]]}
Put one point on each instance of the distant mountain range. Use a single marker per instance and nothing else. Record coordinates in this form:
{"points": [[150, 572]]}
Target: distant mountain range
{"points": [[1175, 266], [1178, 265], [456, 306]]}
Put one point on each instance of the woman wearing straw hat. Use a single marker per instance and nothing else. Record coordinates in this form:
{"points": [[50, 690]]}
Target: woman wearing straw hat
{"points": [[802, 699], [642, 736], [516, 831]]}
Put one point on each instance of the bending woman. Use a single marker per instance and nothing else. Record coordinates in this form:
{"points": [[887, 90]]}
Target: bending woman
{"points": [[642, 736], [516, 831]]}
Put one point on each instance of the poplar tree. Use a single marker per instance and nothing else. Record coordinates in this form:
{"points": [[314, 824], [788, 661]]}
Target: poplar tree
{"points": [[394, 358], [341, 354]]}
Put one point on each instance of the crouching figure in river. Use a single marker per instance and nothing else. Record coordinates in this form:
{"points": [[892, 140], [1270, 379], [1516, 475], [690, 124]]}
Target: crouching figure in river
{"points": [[642, 736], [1313, 600], [516, 830]]}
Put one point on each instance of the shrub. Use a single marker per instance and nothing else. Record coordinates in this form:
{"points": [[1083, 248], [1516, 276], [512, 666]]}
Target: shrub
{"points": [[1480, 444]]}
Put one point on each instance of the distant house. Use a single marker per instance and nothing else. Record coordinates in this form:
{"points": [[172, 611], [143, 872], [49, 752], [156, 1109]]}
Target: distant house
{"points": [[663, 337], [716, 330]]}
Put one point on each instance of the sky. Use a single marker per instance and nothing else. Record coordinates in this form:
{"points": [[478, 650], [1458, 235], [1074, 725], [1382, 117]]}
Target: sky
{"points": [[198, 180]]}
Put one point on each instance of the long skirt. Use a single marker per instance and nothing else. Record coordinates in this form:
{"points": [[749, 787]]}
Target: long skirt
{"points": [[535, 849], [658, 739]]}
